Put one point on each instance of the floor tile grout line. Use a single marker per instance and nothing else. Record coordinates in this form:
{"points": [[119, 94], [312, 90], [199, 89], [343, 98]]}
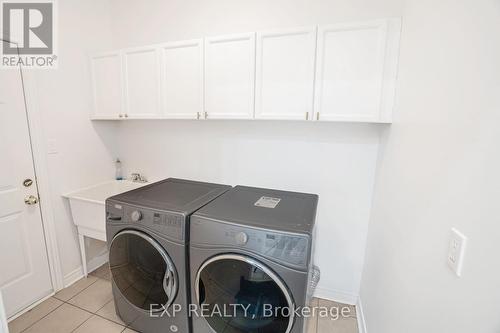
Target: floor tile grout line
{"points": [[95, 313], [57, 307], [79, 307], [97, 279], [110, 320], [81, 324], [76, 306], [104, 305]]}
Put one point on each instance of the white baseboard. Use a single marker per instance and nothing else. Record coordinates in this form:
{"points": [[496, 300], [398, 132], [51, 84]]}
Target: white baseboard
{"points": [[20, 313], [361, 317], [72, 277], [336, 295], [77, 274]]}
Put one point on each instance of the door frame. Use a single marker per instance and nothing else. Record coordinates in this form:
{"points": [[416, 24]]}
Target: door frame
{"points": [[40, 166]]}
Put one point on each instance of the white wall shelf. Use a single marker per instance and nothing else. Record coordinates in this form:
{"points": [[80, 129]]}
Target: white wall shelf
{"points": [[340, 72]]}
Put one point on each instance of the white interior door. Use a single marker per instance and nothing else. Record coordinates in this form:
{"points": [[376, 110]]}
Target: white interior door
{"points": [[285, 74], [230, 76], [182, 79], [24, 269]]}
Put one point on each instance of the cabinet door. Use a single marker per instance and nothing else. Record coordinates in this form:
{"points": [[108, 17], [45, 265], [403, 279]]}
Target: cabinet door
{"points": [[107, 85], [352, 68], [182, 79], [142, 83], [285, 74], [230, 76]]}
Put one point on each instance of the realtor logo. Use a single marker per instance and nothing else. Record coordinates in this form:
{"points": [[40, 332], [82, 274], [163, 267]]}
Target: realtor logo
{"points": [[28, 29]]}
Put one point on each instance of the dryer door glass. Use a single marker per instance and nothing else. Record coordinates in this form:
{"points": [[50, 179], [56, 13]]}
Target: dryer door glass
{"points": [[142, 270], [242, 295]]}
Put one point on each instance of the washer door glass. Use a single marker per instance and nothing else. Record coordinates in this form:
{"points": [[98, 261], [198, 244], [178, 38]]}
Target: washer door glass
{"points": [[243, 296], [142, 270]]}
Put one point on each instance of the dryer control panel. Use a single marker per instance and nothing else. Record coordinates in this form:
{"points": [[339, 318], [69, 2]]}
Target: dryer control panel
{"points": [[287, 248]]}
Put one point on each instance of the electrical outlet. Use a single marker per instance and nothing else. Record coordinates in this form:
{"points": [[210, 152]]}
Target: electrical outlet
{"points": [[456, 251]]}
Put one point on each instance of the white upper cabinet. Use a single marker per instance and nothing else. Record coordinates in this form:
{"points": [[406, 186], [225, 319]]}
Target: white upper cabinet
{"points": [[338, 72], [285, 74], [182, 79], [107, 85], [356, 71], [230, 77], [142, 82]]}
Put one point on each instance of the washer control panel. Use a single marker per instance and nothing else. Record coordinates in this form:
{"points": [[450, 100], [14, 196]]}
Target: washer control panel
{"points": [[168, 224], [287, 248]]}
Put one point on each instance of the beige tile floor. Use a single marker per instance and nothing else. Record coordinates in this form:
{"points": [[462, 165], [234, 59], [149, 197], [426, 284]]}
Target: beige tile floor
{"points": [[87, 306]]}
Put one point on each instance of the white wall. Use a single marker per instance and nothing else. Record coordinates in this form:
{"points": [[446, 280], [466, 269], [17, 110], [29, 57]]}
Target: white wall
{"points": [[138, 22], [64, 98], [439, 169], [337, 161]]}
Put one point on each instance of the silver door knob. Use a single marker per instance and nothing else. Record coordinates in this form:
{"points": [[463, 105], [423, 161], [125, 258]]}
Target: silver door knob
{"points": [[31, 200]]}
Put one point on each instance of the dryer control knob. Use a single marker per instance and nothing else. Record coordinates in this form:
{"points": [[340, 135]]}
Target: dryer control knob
{"points": [[136, 216], [241, 238]]}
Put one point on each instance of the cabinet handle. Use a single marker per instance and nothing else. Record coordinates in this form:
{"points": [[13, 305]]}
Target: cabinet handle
{"points": [[307, 115], [198, 115], [317, 115], [120, 115], [206, 115], [126, 115]]}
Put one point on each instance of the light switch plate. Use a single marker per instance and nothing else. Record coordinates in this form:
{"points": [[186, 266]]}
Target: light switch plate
{"points": [[456, 251], [51, 146]]}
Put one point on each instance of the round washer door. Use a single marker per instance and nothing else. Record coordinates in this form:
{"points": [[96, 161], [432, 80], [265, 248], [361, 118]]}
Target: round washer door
{"points": [[142, 270], [243, 295]]}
